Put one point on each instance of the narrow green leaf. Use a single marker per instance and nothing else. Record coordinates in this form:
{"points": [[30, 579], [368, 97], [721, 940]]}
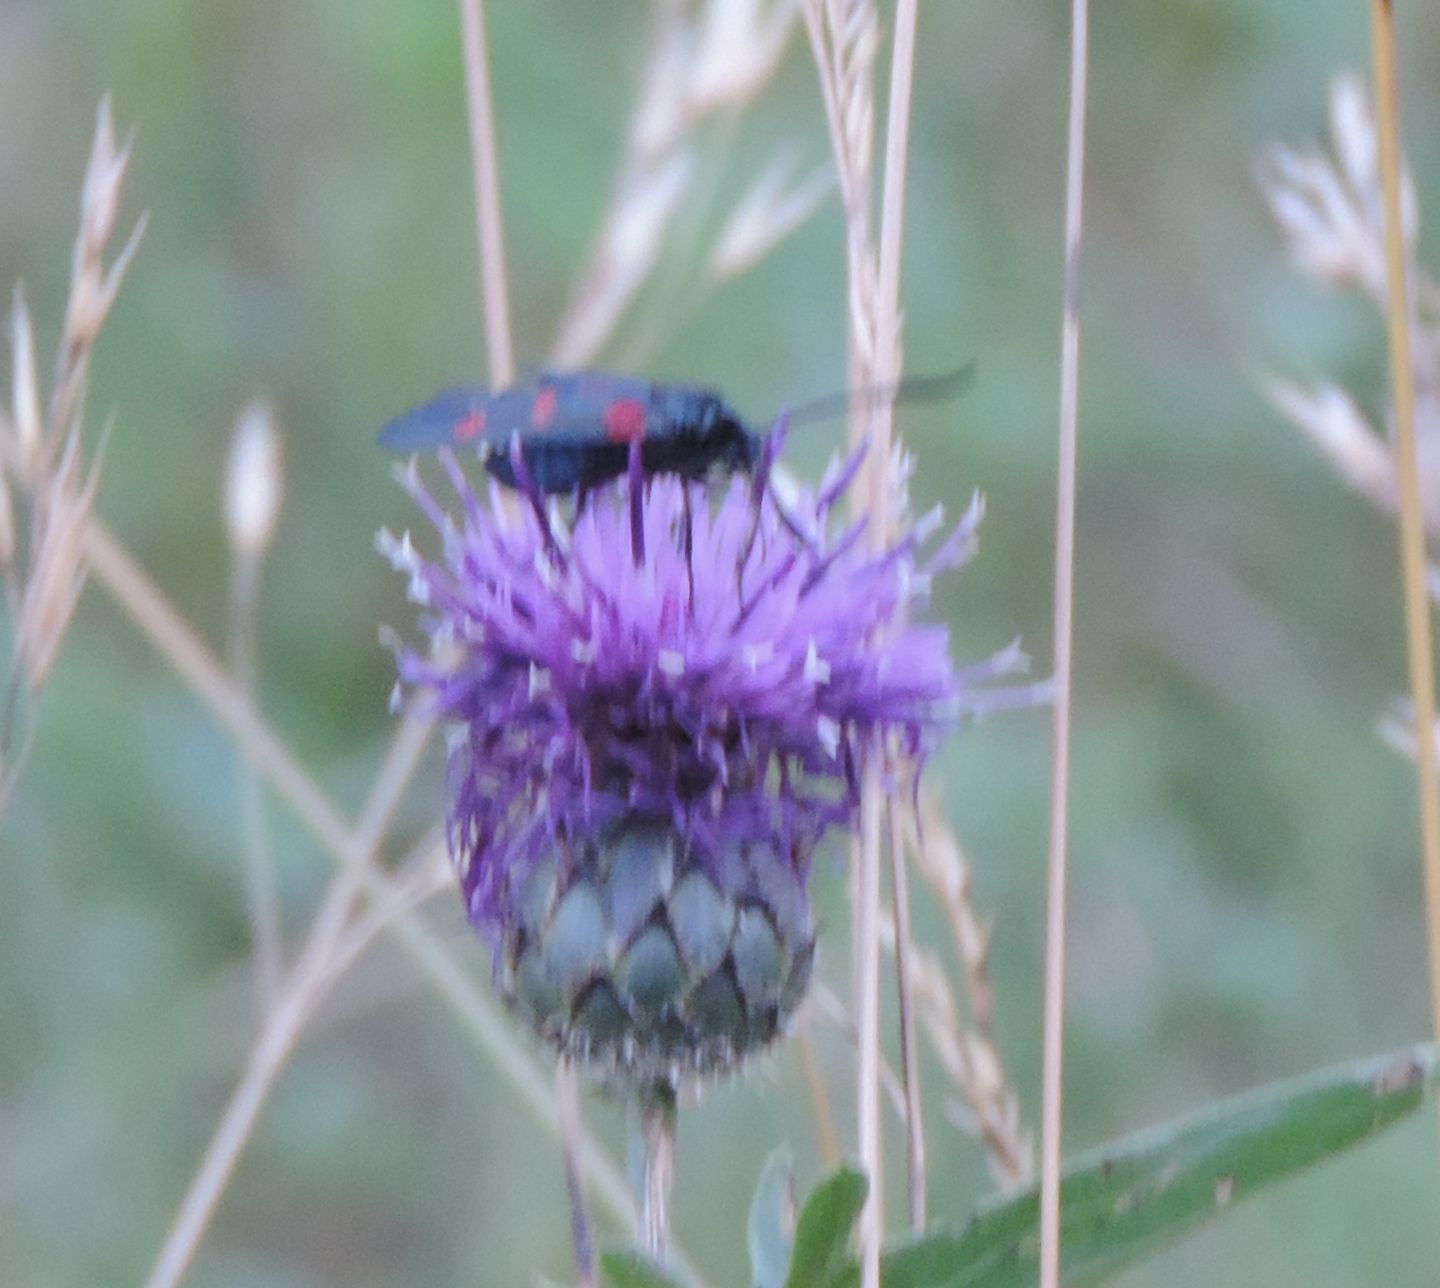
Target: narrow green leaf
{"points": [[1128, 1200], [633, 1270], [822, 1234], [772, 1221]]}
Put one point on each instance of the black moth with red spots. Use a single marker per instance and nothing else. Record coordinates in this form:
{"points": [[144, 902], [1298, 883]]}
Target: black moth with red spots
{"points": [[577, 430]]}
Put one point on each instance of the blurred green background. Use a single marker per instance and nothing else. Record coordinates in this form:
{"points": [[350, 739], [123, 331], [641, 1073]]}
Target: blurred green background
{"points": [[1245, 888]]}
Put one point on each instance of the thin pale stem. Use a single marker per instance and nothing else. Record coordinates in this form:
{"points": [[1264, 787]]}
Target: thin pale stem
{"points": [[424, 875], [909, 1048], [567, 1099], [892, 226], [867, 1018], [839, 38], [254, 833], [887, 371], [485, 168], [819, 1101], [1065, 489], [1419, 646], [846, 93], [652, 1161]]}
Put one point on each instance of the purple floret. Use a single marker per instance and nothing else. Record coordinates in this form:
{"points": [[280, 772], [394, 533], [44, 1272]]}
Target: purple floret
{"points": [[584, 689]]}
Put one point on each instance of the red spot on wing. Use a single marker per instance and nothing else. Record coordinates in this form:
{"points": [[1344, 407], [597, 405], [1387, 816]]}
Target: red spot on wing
{"points": [[542, 410], [624, 420], [469, 426]]}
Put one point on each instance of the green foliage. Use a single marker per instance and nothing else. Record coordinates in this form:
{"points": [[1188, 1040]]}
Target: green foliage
{"points": [[816, 1257], [822, 1234], [634, 1270], [1117, 1205], [1124, 1202]]}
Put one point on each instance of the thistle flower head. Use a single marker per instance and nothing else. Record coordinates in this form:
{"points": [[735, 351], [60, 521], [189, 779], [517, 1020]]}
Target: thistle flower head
{"points": [[705, 708]]}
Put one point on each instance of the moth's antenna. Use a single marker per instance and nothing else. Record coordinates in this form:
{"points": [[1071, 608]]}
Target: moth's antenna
{"points": [[909, 389]]}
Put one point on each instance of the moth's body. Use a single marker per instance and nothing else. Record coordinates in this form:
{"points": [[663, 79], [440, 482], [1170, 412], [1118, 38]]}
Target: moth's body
{"points": [[577, 430]]}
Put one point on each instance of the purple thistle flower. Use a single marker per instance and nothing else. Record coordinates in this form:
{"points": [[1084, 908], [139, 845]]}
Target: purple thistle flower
{"points": [[709, 705]]}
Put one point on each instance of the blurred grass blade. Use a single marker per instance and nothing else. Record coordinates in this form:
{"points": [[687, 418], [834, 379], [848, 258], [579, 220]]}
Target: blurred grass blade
{"points": [[1124, 1202], [822, 1234], [772, 1219], [634, 1270]]}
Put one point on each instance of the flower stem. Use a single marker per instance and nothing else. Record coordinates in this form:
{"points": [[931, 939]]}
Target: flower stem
{"points": [[652, 1163], [1419, 646], [567, 1101], [255, 837], [915, 1183], [1052, 1068], [867, 1015], [494, 292]]}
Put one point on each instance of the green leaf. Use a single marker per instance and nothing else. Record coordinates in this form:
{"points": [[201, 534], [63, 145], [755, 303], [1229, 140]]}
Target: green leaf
{"points": [[634, 1270], [1126, 1201], [822, 1234], [772, 1221]]}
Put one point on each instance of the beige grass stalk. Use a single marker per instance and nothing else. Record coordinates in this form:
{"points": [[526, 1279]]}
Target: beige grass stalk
{"points": [[423, 875], [485, 167], [1419, 647], [915, 1174], [843, 36], [871, 1226], [887, 372], [819, 1096], [1065, 489]]}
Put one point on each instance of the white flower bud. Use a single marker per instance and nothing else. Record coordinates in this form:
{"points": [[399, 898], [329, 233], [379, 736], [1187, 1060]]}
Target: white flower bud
{"points": [[253, 481]]}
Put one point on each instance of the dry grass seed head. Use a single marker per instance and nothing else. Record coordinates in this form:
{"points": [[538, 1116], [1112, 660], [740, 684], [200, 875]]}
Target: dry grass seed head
{"points": [[1329, 416], [57, 569], [1329, 211], [29, 433], [93, 286], [705, 61], [775, 204], [48, 456], [740, 45]]}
